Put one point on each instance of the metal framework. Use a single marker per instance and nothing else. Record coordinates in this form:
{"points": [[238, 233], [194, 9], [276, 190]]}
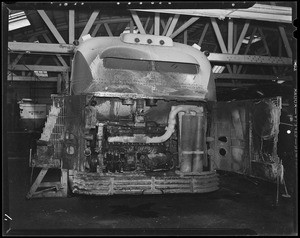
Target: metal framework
{"points": [[230, 55]]}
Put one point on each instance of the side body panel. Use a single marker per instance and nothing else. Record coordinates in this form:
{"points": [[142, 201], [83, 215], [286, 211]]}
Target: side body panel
{"points": [[245, 137]]}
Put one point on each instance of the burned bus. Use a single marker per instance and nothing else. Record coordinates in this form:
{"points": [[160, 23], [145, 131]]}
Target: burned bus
{"points": [[141, 117]]}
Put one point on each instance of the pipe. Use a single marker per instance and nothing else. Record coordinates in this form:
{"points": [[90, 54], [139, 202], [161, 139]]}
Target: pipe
{"points": [[199, 146], [158, 139]]}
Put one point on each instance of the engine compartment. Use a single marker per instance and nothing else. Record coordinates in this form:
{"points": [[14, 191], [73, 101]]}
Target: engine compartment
{"points": [[132, 135]]}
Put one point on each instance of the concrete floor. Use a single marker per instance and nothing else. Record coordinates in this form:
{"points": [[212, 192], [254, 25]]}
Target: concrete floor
{"points": [[239, 207]]}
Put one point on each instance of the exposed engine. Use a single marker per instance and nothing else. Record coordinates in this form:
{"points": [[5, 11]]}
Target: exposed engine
{"points": [[118, 136]]}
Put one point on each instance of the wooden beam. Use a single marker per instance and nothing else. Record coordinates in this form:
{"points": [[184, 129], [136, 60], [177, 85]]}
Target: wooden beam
{"points": [[230, 36], [252, 77], [163, 24], [71, 26], [173, 24], [185, 37], [51, 26], [249, 59], [137, 22], [131, 25], [220, 40], [65, 27], [234, 67], [248, 47], [156, 24], [218, 35], [95, 30], [266, 46], [279, 47], [184, 26], [108, 29], [233, 85], [90, 23], [62, 61], [146, 24], [167, 26], [19, 56], [59, 84], [285, 41], [28, 48], [151, 30], [240, 41], [39, 68], [203, 34], [258, 12], [242, 36], [27, 78]]}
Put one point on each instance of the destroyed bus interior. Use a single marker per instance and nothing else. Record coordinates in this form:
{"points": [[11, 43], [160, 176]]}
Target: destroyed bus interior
{"points": [[141, 117]]}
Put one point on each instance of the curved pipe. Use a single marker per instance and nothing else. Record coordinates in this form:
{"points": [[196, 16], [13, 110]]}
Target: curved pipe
{"points": [[158, 139]]}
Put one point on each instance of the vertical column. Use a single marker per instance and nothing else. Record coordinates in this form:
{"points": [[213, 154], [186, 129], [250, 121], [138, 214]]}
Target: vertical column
{"points": [[199, 145]]}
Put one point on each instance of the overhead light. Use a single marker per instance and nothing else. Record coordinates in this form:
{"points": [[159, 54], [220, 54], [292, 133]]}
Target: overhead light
{"points": [[247, 38], [17, 20], [288, 131], [280, 81], [259, 92]]}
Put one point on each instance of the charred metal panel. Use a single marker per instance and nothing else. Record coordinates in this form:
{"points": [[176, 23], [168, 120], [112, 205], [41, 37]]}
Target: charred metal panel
{"points": [[49, 146], [230, 136], [265, 116], [245, 137], [74, 132], [179, 71], [142, 183]]}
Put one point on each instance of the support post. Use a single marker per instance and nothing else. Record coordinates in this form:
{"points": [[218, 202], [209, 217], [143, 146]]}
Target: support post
{"points": [[90, 23], [167, 26], [220, 40], [95, 30], [248, 47], [51, 26], [156, 24], [71, 26], [59, 82], [62, 61], [108, 29], [185, 37], [137, 22], [203, 34], [173, 24], [184, 26]]}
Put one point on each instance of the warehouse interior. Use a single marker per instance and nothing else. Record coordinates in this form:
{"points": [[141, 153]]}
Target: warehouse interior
{"points": [[252, 49]]}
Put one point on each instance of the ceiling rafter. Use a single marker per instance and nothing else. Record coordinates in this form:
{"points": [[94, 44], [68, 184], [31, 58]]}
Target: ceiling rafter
{"points": [[71, 26], [220, 40], [60, 58], [285, 41], [247, 48], [173, 24], [138, 22], [51, 26], [184, 26], [108, 29], [167, 26], [90, 23], [156, 23], [263, 37], [39, 68], [203, 34], [96, 30]]}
